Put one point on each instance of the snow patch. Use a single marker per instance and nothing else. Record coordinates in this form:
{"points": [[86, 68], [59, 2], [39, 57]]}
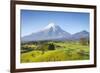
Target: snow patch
{"points": [[51, 25]]}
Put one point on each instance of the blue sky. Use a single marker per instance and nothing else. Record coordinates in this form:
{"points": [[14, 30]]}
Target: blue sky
{"points": [[72, 22]]}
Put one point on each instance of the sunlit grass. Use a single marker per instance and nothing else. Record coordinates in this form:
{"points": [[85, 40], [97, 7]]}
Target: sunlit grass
{"points": [[65, 52]]}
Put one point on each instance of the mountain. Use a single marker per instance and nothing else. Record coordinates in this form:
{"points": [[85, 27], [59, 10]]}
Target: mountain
{"points": [[54, 32], [50, 32], [82, 34]]}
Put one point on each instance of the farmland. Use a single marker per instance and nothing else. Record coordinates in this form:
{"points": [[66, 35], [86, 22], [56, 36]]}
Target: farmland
{"points": [[48, 51]]}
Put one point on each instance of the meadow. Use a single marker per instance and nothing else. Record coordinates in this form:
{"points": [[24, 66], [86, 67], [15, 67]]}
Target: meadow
{"points": [[50, 51]]}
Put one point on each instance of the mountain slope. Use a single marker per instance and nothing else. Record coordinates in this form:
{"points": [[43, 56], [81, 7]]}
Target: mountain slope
{"points": [[82, 34], [50, 32]]}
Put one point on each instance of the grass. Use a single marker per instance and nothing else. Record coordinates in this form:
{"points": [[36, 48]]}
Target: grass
{"points": [[64, 51]]}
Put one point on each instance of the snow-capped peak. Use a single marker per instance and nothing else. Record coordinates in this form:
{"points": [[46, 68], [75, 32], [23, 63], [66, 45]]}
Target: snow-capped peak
{"points": [[53, 25]]}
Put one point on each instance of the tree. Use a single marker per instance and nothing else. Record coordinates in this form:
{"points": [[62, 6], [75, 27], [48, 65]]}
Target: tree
{"points": [[42, 48], [51, 47], [83, 41]]}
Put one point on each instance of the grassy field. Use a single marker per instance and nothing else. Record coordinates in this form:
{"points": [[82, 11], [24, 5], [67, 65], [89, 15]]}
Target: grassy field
{"points": [[54, 51]]}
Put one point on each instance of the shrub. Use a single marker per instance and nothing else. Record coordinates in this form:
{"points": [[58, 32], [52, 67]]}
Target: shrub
{"points": [[51, 47], [83, 41]]}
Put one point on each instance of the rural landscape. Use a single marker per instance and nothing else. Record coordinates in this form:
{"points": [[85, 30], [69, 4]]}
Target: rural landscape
{"points": [[54, 44], [52, 36]]}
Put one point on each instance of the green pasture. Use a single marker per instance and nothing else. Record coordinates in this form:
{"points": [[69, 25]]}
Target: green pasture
{"points": [[64, 51]]}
